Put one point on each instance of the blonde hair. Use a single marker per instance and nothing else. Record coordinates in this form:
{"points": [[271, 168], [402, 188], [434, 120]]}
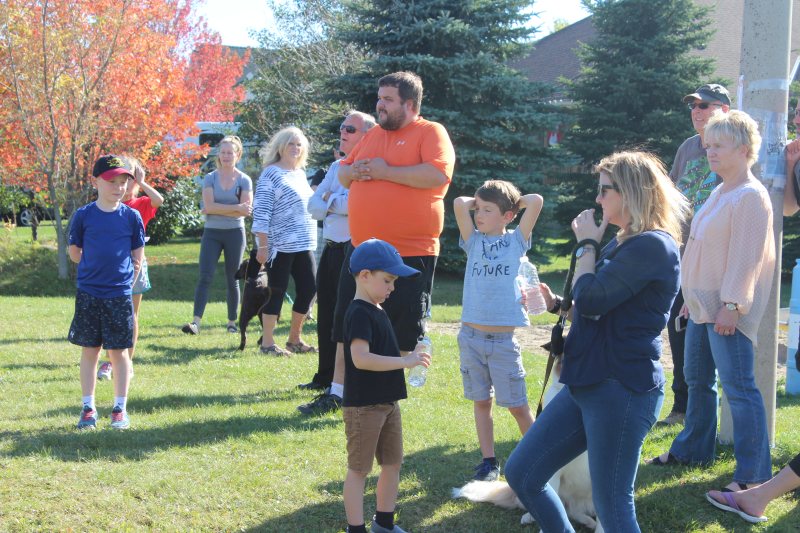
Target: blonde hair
{"points": [[236, 143], [138, 170], [271, 152], [649, 196], [738, 127]]}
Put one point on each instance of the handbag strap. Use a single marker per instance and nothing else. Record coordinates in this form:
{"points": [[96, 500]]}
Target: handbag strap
{"points": [[562, 318]]}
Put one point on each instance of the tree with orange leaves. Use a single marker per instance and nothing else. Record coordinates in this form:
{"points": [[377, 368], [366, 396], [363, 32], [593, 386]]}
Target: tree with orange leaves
{"points": [[86, 77]]}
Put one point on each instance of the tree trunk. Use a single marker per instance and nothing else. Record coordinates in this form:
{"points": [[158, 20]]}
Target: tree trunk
{"points": [[61, 234]]}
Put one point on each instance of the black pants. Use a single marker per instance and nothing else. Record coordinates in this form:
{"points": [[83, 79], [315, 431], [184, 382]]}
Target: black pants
{"points": [[408, 306], [301, 266], [677, 341], [330, 266]]}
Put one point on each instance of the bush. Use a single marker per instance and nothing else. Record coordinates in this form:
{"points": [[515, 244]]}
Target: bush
{"points": [[179, 211]]}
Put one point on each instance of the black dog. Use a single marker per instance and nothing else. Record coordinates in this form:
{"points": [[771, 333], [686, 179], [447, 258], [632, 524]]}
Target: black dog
{"points": [[255, 295]]}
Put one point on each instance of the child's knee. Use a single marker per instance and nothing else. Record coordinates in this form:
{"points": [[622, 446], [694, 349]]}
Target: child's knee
{"points": [[119, 355], [520, 411], [483, 405]]}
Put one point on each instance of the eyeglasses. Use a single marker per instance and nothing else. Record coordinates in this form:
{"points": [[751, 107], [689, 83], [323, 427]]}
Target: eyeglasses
{"points": [[602, 188], [349, 129], [702, 105]]}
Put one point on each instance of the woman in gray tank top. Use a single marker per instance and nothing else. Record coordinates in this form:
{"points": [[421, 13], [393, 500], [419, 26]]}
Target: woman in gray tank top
{"points": [[227, 199]]}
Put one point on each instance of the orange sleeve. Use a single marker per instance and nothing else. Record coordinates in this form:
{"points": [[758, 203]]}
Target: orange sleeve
{"points": [[438, 151]]}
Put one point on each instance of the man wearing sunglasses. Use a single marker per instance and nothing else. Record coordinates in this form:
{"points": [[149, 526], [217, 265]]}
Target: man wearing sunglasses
{"points": [[693, 177], [330, 204]]}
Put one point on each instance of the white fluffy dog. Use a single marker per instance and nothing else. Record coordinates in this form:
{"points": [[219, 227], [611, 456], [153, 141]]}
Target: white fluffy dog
{"points": [[571, 482]]}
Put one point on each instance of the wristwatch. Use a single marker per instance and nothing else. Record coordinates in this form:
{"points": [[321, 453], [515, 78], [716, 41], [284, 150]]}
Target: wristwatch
{"points": [[730, 306], [579, 253]]}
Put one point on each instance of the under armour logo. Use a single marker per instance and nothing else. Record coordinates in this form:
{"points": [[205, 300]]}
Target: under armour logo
{"points": [[400, 143]]}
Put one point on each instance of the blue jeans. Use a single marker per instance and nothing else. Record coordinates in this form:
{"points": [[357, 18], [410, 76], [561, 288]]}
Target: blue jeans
{"points": [[732, 356], [609, 420]]}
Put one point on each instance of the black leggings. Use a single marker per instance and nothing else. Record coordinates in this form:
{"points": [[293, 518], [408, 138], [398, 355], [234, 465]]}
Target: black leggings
{"points": [[302, 268]]}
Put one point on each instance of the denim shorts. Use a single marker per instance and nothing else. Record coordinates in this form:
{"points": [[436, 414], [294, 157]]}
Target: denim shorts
{"points": [[106, 322], [142, 283], [373, 431], [491, 366]]}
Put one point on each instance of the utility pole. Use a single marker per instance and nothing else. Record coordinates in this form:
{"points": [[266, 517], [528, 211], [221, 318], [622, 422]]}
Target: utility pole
{"points": [[766, 41]]}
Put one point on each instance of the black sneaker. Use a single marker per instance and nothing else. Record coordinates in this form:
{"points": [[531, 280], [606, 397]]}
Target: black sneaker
{"points": [[321, 404], [486, 471], [311, 385]]}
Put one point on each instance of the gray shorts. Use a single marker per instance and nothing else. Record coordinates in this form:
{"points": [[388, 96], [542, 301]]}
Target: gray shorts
{"points": [[491, 366], [142, 283]]}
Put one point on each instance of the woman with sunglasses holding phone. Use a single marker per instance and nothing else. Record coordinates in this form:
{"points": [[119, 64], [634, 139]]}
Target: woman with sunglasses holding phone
{"points": [[227, 199], [614, 381], [726, 278]]}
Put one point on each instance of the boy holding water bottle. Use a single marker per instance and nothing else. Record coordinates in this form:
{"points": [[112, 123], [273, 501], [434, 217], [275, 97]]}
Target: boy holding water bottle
{"points": [[373, 385], [491, 360]]}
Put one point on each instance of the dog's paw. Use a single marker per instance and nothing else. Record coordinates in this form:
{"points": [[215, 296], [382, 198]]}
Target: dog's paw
{"points": [[526, 519], [455, 493]]}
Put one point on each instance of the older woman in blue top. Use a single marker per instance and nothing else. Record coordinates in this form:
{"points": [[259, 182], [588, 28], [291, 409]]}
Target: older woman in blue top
{"points": [[611, 369], [286, 234]]}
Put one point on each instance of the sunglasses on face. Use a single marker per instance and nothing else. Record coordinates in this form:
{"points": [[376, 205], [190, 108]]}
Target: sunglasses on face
{"points": [[602, 188], [349, 129], [702, 105]]}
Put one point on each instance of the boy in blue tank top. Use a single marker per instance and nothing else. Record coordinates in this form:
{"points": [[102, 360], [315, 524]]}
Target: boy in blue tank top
{"points": [[491, 360], [106, 240]]}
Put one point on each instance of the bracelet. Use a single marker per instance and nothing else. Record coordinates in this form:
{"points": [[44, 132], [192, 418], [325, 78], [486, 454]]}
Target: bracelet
{"points": [[557, 306], [263, 247]]}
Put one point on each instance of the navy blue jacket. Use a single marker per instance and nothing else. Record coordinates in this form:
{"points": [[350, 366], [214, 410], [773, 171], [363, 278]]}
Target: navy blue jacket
{"points": [[620, 311]]}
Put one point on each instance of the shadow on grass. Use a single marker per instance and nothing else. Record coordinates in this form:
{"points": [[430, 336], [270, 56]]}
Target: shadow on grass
{"points": [[431, 473], [170, 355], [683, 505], [38, 366], [179, 401], [137, 444], [33, 340]]}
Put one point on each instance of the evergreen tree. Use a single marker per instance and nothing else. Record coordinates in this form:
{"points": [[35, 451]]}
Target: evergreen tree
{"points": [[635, 73], [496, 118], [290, 71]]}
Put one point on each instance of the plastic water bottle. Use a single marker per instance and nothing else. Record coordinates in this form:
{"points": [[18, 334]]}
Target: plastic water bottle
{"points": [[528, 282], [792, 372], [418, 374]]}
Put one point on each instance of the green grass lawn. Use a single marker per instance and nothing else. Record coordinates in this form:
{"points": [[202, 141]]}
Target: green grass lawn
{"points": [[216, 443]]}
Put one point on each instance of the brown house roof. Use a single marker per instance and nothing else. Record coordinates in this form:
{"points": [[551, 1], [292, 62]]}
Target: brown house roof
{"points": [[554, 56]]}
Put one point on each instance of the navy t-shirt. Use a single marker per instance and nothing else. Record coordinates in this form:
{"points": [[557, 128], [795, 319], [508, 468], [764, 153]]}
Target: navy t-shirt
{"points": [[107, 239], [620, 311], [369, 322]]}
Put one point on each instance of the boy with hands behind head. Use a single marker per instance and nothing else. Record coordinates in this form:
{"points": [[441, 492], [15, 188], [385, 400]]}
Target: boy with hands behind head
{"points": [[373, 384], [491, 360]]}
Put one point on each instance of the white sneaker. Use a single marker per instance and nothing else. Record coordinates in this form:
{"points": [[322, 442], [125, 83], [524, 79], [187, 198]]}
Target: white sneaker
{"points": [[104, 372]]}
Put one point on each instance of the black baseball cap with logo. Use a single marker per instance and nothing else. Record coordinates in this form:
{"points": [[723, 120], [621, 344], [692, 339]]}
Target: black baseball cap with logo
{"points": [[109, 166]]}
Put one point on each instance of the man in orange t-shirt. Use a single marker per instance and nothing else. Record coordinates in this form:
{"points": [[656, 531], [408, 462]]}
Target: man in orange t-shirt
{"points": [[398, 175]]}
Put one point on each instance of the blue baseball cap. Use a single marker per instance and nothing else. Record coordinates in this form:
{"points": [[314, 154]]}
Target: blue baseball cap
{"points": [[375, 254]]}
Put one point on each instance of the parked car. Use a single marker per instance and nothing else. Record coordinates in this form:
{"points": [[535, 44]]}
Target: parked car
{"points": [[24, 203]]}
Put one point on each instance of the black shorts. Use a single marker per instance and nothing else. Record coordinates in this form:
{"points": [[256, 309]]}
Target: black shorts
{"points": [[407, 306], [106, 322]]}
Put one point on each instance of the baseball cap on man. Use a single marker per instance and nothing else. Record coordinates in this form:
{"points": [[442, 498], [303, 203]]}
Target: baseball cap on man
{"points": [[375, 254], [109, 166], [711, 92]]}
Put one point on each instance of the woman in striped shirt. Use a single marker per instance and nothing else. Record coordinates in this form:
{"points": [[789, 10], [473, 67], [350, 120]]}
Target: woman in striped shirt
{"points": [[286, 235]]}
